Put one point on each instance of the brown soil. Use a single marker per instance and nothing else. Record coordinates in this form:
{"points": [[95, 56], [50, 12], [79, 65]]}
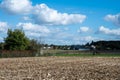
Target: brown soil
{"points": [[60, 68]]}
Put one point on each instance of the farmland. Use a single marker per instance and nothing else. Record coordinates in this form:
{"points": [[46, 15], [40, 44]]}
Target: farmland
{"points": [[60, 68]]}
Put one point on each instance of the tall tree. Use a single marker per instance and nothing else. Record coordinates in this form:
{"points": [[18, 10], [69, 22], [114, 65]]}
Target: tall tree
{"points": [[16, 40]]}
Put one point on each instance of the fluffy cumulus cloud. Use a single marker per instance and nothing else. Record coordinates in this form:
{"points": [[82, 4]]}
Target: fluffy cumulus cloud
{"points": [[42, 14], [33, 29], [16, 6], [113, 18], [83, 29], [3, 27], [108, 31]]}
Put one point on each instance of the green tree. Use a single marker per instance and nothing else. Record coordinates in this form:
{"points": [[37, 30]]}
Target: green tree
{"points": [[16, 40]]}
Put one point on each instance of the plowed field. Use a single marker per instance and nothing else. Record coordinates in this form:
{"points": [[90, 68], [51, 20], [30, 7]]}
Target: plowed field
{"points": [[60, 68]]}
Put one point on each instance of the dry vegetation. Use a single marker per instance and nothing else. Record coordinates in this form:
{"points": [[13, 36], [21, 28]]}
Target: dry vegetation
{"points": [[60, 68]]}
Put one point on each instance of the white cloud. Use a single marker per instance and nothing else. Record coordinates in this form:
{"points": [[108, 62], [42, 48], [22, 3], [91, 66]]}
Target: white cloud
{"points": [[84, 39], [87, 38], [16, 6], [115, 19], [3, 27], [34, 29], [83, 29], [108, 31], [26, 18], [42, 14], [65, 42]]}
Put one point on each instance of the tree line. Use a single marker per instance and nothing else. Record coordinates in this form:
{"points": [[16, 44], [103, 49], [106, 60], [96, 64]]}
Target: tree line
{"points": [[106, 45], [16, 40]]}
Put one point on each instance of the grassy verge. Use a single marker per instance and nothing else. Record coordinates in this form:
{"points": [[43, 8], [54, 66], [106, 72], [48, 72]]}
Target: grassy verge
{"points": [[88, 55], [81, 53]]}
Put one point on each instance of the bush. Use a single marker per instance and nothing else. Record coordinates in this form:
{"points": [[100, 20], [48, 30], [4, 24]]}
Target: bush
{"points": [[25, 53]]}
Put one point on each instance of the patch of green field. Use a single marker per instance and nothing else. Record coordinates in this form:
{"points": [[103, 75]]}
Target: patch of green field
{"points": [[79, 53], [88, 55]]}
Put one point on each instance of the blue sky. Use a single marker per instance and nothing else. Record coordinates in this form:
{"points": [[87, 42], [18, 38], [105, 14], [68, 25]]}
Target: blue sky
{"points": [[62, 21]]}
